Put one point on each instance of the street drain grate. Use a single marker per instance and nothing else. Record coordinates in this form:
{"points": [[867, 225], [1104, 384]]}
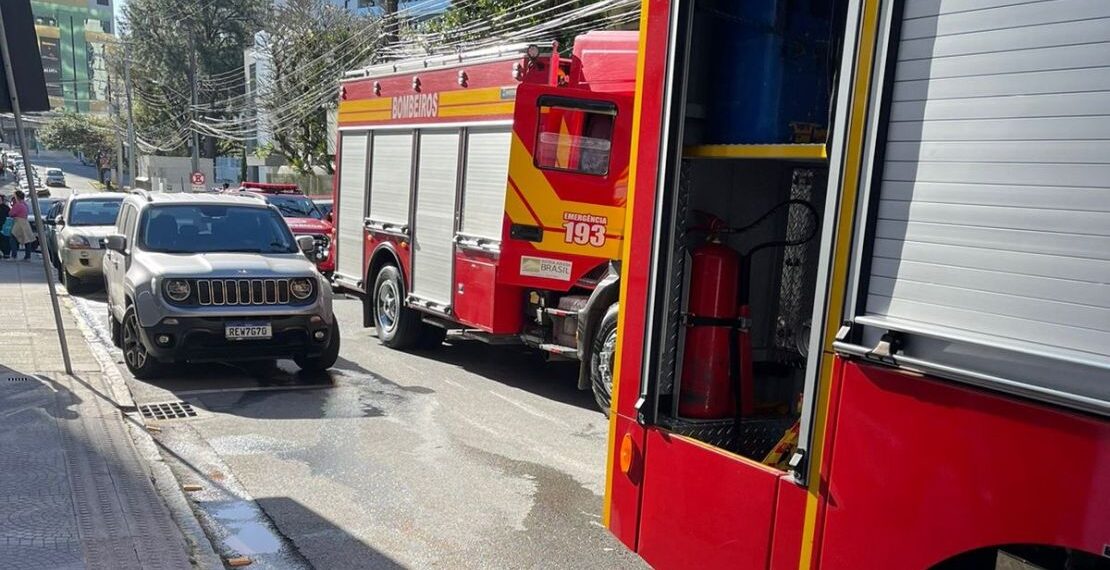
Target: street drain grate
{"points": [[168, 411], [19, 378]]}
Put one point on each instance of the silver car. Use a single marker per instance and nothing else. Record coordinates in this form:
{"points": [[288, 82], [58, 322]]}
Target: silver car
{"points": [[210, 277], [55, 177], [85, 221]]}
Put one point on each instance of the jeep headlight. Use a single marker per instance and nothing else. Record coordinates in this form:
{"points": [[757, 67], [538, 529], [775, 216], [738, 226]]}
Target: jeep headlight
{"points": [[78, 242], [300, 288], [177, 289]]}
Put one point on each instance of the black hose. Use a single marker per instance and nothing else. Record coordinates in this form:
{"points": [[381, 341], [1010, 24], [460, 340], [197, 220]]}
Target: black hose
{"points": [[768, 214]]}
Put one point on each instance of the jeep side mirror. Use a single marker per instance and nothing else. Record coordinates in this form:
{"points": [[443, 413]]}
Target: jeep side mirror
{"points": [[116, 242], [307, 244], [57, 221]]}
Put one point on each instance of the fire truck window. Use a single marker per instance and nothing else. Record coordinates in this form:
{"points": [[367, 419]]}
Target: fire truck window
{"points": [[574, 140]]}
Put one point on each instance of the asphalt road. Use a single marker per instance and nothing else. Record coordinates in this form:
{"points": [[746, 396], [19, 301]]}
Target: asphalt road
{"points": [[465, 456], [79, 178]]}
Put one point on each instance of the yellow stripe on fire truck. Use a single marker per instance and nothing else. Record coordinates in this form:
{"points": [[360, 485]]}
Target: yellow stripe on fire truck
{"points": [[531, 200]]}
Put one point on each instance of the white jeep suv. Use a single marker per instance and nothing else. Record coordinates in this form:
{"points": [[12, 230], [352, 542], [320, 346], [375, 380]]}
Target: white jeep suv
{"points": [[209, 277]]}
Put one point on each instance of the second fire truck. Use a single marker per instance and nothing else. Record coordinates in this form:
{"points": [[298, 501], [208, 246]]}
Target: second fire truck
{"points": [[866, 310], [484, 192]]}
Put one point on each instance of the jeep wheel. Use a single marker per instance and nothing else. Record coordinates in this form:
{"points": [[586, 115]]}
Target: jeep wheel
{"points": [[115, 330], [398, 326], [325, 360], [603, 357], [141, 365], [72, 284]]}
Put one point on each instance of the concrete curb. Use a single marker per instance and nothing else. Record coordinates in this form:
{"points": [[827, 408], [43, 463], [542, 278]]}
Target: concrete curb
{"points": [[201, 551]]}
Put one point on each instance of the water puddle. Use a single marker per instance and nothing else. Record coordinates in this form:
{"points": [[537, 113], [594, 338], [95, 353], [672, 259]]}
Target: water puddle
{"points": [[247, 533]]}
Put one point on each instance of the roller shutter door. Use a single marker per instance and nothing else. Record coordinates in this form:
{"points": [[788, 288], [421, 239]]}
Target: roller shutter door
{"points": [[352, 205], [487, 174], [433, 249], [391, 177], [990, 235]]}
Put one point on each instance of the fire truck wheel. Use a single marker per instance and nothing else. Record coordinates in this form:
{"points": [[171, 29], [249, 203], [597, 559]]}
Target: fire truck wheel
{"points": [[602, 358], [398, 326]]}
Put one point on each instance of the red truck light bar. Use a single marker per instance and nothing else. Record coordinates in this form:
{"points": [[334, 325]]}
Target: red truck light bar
{"points": [[267, 188]]}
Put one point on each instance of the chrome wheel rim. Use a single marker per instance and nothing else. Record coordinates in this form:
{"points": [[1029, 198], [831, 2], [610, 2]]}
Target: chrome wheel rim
{"points": [[389, 304], [605, 361], [133, 350]]}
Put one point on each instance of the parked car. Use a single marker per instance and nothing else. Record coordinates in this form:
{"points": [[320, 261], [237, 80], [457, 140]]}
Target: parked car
{"points": [[214, 277], [51, 208], [325, 207], [55, 177], [46, 205], [302, 215], [40, 188], [85, 221]]}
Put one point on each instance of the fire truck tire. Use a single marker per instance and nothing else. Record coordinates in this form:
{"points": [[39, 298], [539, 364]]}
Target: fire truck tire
{"points": [[399, 327], [602, 358]]}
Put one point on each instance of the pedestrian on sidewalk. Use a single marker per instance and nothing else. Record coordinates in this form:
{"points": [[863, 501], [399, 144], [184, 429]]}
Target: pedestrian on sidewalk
{"points": [[5, 228], [21, 228]]}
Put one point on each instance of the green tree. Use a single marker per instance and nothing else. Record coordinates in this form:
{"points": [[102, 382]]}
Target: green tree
{"points": [[163, 35], [469, 22], [87, 134], [312, 44]]}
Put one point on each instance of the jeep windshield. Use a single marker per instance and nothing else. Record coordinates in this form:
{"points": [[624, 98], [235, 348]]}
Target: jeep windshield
{"points": [[214, 228], [294, 206], [93, 212]]}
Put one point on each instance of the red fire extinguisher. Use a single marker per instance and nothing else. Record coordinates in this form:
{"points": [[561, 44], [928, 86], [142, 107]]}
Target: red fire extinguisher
{"points": [[717, 369]]}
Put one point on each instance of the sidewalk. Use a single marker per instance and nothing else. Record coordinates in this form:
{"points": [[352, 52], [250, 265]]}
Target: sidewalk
{"points": [[74, 492]]}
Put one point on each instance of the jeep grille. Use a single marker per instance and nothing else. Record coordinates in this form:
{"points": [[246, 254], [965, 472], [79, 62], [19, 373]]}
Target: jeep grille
{"points": [[242, 291]]}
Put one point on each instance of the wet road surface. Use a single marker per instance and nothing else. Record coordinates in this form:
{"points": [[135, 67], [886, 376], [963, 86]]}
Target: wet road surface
{"points": [[469, 455]]}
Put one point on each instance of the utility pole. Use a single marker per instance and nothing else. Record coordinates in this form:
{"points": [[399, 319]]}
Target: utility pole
{"points": [[113, 109], [5, 52], [193, 99], [131, 148]]}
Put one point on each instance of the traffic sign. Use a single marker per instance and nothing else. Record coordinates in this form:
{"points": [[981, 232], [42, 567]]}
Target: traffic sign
{"points": [[197, 178]]}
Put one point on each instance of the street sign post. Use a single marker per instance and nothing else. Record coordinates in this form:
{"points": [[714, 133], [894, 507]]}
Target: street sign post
{"points": [[197, 179]]}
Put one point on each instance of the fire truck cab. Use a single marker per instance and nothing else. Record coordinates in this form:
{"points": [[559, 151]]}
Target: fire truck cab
{"points": [[301, 214], [865, 307], [484, 193]]}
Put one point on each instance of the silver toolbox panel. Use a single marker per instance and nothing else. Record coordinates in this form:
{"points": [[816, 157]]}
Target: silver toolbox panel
{"points": [[391, 177], [485, 182], [434, 220], [352, 205]]}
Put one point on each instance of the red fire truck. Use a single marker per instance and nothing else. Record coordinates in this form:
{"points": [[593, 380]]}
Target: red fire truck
{"points": [[302, 215], [865, 308], [484, 192]]}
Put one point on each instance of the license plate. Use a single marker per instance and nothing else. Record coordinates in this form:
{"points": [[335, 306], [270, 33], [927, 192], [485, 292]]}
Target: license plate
{"points": [[248, 331]]}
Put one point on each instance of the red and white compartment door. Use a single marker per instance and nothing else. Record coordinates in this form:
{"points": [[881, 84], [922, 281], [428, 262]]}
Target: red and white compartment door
{"points": [[433, 245], [351, 206]]}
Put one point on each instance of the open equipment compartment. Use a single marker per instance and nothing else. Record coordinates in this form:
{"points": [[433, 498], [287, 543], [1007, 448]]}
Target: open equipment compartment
{"points": [[747, 211]]}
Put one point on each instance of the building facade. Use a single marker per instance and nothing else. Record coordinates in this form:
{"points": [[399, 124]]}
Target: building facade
{"points": [[73, 38]]}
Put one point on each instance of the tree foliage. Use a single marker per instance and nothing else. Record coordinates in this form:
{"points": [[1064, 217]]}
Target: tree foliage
{"points": [[311, 44], [468, 22], [161, 35], [78, 132]]}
